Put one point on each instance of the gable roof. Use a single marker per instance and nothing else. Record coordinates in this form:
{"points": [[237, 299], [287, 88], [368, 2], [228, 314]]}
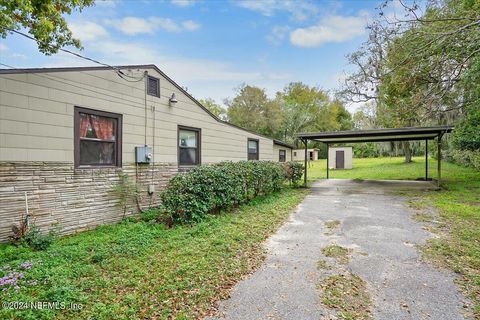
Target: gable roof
{"points": [[137, 66], [283, 144]]}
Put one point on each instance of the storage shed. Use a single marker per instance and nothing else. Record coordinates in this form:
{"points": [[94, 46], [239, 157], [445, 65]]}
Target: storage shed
{"points": [[340, 157]]}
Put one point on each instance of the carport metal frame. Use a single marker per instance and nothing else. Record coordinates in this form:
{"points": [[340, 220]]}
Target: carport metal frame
{"points": [[380, 135]]}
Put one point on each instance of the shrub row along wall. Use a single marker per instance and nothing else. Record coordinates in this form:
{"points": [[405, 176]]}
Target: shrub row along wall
{"points": [[80, 199], [189, 197]]}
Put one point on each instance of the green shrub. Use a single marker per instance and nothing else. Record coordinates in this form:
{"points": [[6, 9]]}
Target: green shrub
{"points": [[38, 241], [366, 150], [191, 196], [293, 172], [467, 133], [126, 190], [468, 158]]}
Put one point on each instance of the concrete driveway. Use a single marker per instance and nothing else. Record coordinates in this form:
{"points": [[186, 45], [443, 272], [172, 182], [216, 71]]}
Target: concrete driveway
{"points": [[378, 227]]}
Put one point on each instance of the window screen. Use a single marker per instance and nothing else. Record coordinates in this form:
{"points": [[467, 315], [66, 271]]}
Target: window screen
{"points": [[282, 154], [188, 146], [252, 149]]}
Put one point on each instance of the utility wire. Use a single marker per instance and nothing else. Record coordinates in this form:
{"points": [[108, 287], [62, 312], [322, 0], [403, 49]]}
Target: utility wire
{"points": [[119, 72]]}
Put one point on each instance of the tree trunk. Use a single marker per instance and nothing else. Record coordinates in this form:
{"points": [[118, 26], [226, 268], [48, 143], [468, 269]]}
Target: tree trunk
{"points": [[407, 152]]}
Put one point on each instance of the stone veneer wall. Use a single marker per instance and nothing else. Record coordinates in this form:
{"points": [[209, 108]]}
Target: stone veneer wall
{"points": [[76, 199]]}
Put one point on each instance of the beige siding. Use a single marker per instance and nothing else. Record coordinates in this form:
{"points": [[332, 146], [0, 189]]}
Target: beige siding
{"points": [[276, 151], [348, 157], [36, 117], [299, 154]]}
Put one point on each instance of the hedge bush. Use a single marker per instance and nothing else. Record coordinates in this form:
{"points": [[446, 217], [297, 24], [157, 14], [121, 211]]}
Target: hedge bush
{"points": [[190, 196], [293, 172], [468, 158]]}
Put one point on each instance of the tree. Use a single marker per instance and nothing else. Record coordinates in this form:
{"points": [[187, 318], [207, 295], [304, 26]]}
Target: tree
{"points": [[251, 109], [361, 85], [301, 105], [467, 131], [413, 68], [365, 117], [43, 19], [297, 108], [308, 108], [342, 116], [214, 108]]}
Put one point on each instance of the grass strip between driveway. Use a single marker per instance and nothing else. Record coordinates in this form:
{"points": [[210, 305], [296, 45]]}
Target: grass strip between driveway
{"points": [[347, 294], [141, 269]]}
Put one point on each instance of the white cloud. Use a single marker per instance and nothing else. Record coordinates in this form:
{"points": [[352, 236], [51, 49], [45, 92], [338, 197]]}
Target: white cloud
{"points": [[329, 29], [106, 3], [19, 56], [183, 3], [264, 7], [181, 69], [134, 25], [87, 30], [300, 10], [5, 52], [277, 35], [166, 24], [190, 25]]}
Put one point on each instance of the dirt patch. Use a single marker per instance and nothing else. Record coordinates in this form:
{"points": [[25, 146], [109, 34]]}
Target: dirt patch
{"points": [[423, 217], [341, 254], [323, 265], [347, 294], [331, 225]]}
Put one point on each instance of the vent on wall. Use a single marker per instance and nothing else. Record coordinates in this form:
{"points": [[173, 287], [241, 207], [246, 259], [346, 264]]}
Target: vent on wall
{"points": [[153, 87]]}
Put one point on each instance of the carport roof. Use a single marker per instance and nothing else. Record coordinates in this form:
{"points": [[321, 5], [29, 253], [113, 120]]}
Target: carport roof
{"points": [[377, 135]]}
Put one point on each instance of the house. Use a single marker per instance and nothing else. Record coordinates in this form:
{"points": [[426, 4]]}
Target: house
{"points": [[283, 150], [299, 154], [340, 157], [67, 135]]}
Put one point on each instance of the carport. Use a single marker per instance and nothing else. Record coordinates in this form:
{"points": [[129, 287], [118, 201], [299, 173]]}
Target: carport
{"points": [[380, 135]]}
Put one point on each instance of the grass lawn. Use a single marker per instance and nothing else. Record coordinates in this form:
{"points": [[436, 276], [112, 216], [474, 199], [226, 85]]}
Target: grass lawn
{"points": [[141, 269], [458, 205], [384, 168]]}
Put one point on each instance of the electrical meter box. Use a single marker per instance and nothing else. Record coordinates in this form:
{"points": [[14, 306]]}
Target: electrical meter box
{"points": [[143, 154]]}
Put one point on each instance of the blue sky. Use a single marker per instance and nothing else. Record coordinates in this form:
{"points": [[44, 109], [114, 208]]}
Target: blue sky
{"points": [[213, 46]]}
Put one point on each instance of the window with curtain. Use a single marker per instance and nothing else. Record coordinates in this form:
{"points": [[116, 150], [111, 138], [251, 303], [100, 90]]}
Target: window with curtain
{"points": [[97, 138], [252, 149], [188, 146], [282, 154]]}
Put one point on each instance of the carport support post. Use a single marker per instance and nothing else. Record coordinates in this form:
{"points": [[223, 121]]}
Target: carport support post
{"points": [[328, 151], [439, 161], [305, 164], [426, 160]]}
